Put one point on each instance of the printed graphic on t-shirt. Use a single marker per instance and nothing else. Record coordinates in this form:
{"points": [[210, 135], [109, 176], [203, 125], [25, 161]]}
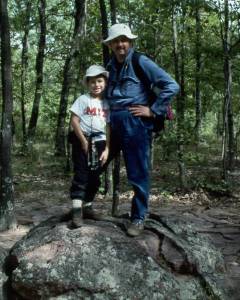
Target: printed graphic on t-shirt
{"points": [[95, 111]]}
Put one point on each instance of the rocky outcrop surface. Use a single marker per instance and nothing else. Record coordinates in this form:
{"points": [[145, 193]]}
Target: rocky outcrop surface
{"points": [[3, 276], [98, 261]]}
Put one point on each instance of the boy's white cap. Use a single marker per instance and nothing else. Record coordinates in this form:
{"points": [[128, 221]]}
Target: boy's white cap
{"points": [[117, 30], [94, 71]]}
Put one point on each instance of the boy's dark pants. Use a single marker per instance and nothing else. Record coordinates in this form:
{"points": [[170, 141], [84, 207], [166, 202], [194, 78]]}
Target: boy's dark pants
{"points": [[86, 182]]}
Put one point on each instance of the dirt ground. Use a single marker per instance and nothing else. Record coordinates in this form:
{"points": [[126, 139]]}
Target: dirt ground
{"points": [[42, 190]]}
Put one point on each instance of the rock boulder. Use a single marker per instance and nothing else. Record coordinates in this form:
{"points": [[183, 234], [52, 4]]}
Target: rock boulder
{"points": [[99, 261], [3, 276]]}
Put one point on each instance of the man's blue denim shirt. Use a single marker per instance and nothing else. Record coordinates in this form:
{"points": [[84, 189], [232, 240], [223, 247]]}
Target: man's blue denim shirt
{"points": [[125, 88]]}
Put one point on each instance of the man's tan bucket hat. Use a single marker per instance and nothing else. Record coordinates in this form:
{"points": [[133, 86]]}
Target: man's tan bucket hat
{"points": [[117, 30]]}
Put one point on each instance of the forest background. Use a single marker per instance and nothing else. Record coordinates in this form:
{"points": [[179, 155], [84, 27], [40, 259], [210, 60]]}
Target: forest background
{"points": [[46, 47]]}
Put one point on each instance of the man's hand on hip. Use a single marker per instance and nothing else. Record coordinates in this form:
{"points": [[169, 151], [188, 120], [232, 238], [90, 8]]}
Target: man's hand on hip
{"points": [[141, 111]]}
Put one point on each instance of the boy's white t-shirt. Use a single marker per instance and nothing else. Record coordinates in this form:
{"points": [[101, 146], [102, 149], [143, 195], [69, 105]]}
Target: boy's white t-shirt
{"points": [[93, 114]]}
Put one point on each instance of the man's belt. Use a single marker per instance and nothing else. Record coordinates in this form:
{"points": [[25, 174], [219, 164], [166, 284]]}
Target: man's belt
{"points": [[124, 107], [119, 107]]}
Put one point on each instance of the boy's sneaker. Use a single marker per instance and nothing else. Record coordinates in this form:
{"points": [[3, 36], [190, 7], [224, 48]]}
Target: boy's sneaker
{"points": [[77, 213], [136, 228], [77, 217]]}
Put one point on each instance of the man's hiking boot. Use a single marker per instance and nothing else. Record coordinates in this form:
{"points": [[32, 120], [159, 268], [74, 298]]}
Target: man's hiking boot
{"points": [[136, 228], [77, 217]]}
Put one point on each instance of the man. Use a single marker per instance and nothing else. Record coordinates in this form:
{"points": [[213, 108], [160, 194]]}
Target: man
{"points": [[131, 115]]}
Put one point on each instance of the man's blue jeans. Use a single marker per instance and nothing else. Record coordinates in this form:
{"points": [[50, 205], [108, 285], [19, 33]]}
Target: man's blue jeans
{"points": [[132, 135]]}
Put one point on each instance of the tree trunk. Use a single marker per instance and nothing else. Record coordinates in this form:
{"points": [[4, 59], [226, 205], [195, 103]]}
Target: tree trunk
{"points": [[80, 7], [130, 19], [104, 31], [116, 184], [228, 134], [39, 72], [219, 123], [108, 176], [117, 159], [113, 11], [24, 65], [231, 141], [198, 102], [68, 165], [180, 101], [7, 211], [237, 136]]}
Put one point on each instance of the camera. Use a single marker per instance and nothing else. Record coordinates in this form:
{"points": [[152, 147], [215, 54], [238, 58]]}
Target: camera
{"points": [[93, 160]]}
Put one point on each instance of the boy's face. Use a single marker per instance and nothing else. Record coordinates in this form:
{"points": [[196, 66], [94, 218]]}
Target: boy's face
{"points": [[96, 85]]}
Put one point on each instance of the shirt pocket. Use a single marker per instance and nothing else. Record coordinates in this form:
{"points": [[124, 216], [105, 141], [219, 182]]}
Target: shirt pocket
{"points": [[130, 87]]}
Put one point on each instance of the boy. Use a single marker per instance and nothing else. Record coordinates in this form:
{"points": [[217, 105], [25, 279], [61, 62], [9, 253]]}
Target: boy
{"points": [[89, 144]]}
